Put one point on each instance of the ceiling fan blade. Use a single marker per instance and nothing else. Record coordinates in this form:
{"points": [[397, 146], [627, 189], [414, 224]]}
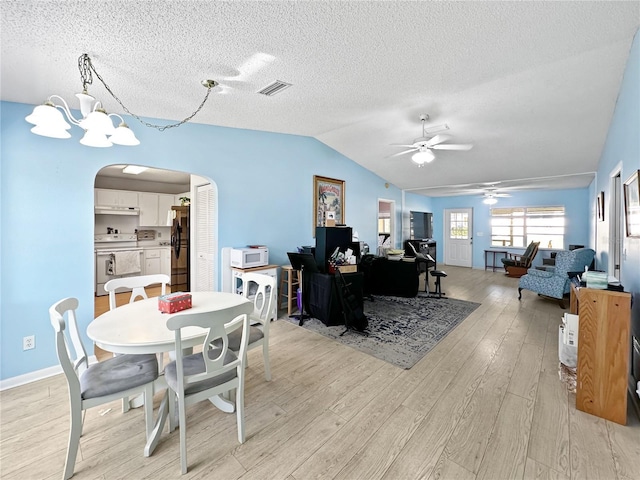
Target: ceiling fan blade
{"points": [[402, 153], [438, 139], [445, 146], [402, 145]]}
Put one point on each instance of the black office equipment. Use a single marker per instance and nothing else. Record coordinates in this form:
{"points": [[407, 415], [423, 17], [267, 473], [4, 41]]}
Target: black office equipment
{"points": [[327, 240], [305, 263]]}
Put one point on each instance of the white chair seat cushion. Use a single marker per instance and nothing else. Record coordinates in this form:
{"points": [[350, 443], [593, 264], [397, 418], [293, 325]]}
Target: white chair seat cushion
{"points": [[194, 364], [235, 337], [118, 374]]}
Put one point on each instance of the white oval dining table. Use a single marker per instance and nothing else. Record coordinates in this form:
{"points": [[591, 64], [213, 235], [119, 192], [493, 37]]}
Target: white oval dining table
{"points": [[140, 327]]}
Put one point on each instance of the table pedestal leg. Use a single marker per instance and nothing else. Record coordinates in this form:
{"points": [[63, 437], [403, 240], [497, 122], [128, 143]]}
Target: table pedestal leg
{"points": [[223, 404], [154, 438]]}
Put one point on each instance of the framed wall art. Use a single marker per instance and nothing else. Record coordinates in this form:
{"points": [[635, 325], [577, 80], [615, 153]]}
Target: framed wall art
{"points": [[600, 207], [328, 196], [632, 205]]}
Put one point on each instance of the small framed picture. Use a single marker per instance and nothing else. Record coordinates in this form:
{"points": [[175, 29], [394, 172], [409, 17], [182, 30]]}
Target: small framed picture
{"points": [[632, 205], [600, 207]]}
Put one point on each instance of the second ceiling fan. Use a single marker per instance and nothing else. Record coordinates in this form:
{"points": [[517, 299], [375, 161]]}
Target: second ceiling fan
{"points": [[422, 146]]}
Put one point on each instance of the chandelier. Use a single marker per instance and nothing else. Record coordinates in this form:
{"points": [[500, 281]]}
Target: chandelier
{"points": [[99, 128]]}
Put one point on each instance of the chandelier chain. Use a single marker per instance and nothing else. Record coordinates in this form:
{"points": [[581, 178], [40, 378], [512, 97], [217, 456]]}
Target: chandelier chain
{"points": [[86, 68]]}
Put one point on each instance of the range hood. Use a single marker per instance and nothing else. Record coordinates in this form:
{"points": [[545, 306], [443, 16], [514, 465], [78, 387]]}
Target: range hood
{"points": [[113, 210]]}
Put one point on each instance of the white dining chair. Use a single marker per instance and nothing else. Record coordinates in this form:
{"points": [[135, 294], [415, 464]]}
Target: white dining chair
{"points": [[213, 371], [137, 285], [100, 383], [261, 289]]}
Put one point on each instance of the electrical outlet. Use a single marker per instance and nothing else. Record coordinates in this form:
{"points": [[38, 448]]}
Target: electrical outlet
{"points": [[29, 342]]}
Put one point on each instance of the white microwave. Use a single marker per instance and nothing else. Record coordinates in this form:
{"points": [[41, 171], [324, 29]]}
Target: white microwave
{"points": [[249, 257]]}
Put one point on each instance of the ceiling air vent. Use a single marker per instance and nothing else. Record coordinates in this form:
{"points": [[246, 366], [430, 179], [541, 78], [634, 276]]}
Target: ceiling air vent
{"points": [[273, 88]]}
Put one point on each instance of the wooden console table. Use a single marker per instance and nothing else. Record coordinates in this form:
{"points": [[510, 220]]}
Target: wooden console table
{"points": [[493, 265], [603, 351]]}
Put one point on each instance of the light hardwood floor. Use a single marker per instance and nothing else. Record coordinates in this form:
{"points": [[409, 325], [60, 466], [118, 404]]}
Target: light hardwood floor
{"points": [[485, 403]]}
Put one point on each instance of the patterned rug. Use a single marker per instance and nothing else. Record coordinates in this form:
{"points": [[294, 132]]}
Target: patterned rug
{"points": [[401, 330]]}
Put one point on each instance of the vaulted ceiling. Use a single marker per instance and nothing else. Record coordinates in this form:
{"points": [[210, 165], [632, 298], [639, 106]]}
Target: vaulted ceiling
{"points": [[532, 85]]}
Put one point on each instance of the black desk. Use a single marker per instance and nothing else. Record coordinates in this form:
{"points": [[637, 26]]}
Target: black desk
{"points": [[323, 300], [390, 277]]}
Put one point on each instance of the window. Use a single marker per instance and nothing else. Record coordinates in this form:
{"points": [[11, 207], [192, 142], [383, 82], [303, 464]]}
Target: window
{"points": [[459, 225], [384, 225], [517, 227]]}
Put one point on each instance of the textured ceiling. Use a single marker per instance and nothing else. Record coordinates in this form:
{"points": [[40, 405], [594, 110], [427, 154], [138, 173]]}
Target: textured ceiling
{"points": [[532, 85]]}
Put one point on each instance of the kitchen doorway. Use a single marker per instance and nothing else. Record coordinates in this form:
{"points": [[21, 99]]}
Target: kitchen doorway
{"points": [[143, 209]]}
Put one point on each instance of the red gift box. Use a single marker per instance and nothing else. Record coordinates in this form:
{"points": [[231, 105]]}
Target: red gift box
{"points": [[174, 302]]}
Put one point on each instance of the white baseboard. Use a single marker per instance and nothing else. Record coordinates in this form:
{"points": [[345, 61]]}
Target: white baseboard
{"points": [[35, 376]]}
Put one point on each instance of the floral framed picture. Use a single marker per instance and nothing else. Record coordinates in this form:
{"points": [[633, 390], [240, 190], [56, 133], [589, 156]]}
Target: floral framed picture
{"points": [[632, 205], [328, 196]]}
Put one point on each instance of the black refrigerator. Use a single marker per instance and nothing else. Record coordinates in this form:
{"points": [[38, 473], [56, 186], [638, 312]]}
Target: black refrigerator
{"points": [[180, 255]]}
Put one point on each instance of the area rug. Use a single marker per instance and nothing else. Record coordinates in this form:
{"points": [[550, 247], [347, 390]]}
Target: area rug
{"points": [[401, 330]]}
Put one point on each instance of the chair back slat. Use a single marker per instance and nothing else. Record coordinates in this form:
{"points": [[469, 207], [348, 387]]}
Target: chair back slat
{"points": [[263, 289], [137, 285], [217, 325], [70, 351]]}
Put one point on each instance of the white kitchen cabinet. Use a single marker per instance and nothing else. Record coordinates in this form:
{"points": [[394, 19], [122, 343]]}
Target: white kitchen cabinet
{"points": [[165, 261], [157, 260], [152, 261], [116, 198], [165, 202], [154, 209], [148, 209]]}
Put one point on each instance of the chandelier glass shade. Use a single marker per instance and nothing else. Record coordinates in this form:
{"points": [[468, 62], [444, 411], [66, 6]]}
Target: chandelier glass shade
{"points": [[49, 121], [423, 156]]}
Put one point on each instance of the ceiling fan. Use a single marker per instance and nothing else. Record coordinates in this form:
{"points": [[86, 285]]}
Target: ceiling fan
{"points": [[491, 196], [423, 145]]}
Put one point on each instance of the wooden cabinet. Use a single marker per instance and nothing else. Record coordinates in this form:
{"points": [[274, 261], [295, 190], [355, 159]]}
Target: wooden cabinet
{"points": [[603, 351], [115, 198]]}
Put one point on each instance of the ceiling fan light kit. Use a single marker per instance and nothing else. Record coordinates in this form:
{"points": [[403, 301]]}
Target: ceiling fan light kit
{"points": [[99, 130], [422, 157], [425, 144]]}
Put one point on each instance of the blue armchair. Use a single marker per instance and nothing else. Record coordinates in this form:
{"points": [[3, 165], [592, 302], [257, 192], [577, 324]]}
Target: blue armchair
{"points": [[555, 283]]}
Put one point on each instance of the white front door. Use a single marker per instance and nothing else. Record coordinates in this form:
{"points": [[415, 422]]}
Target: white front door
{"points": [[458, 231]]}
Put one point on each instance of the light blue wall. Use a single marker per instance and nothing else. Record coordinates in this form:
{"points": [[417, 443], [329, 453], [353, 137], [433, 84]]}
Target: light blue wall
{"points": [[622, 148], [264, 182], [575, 202]]}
